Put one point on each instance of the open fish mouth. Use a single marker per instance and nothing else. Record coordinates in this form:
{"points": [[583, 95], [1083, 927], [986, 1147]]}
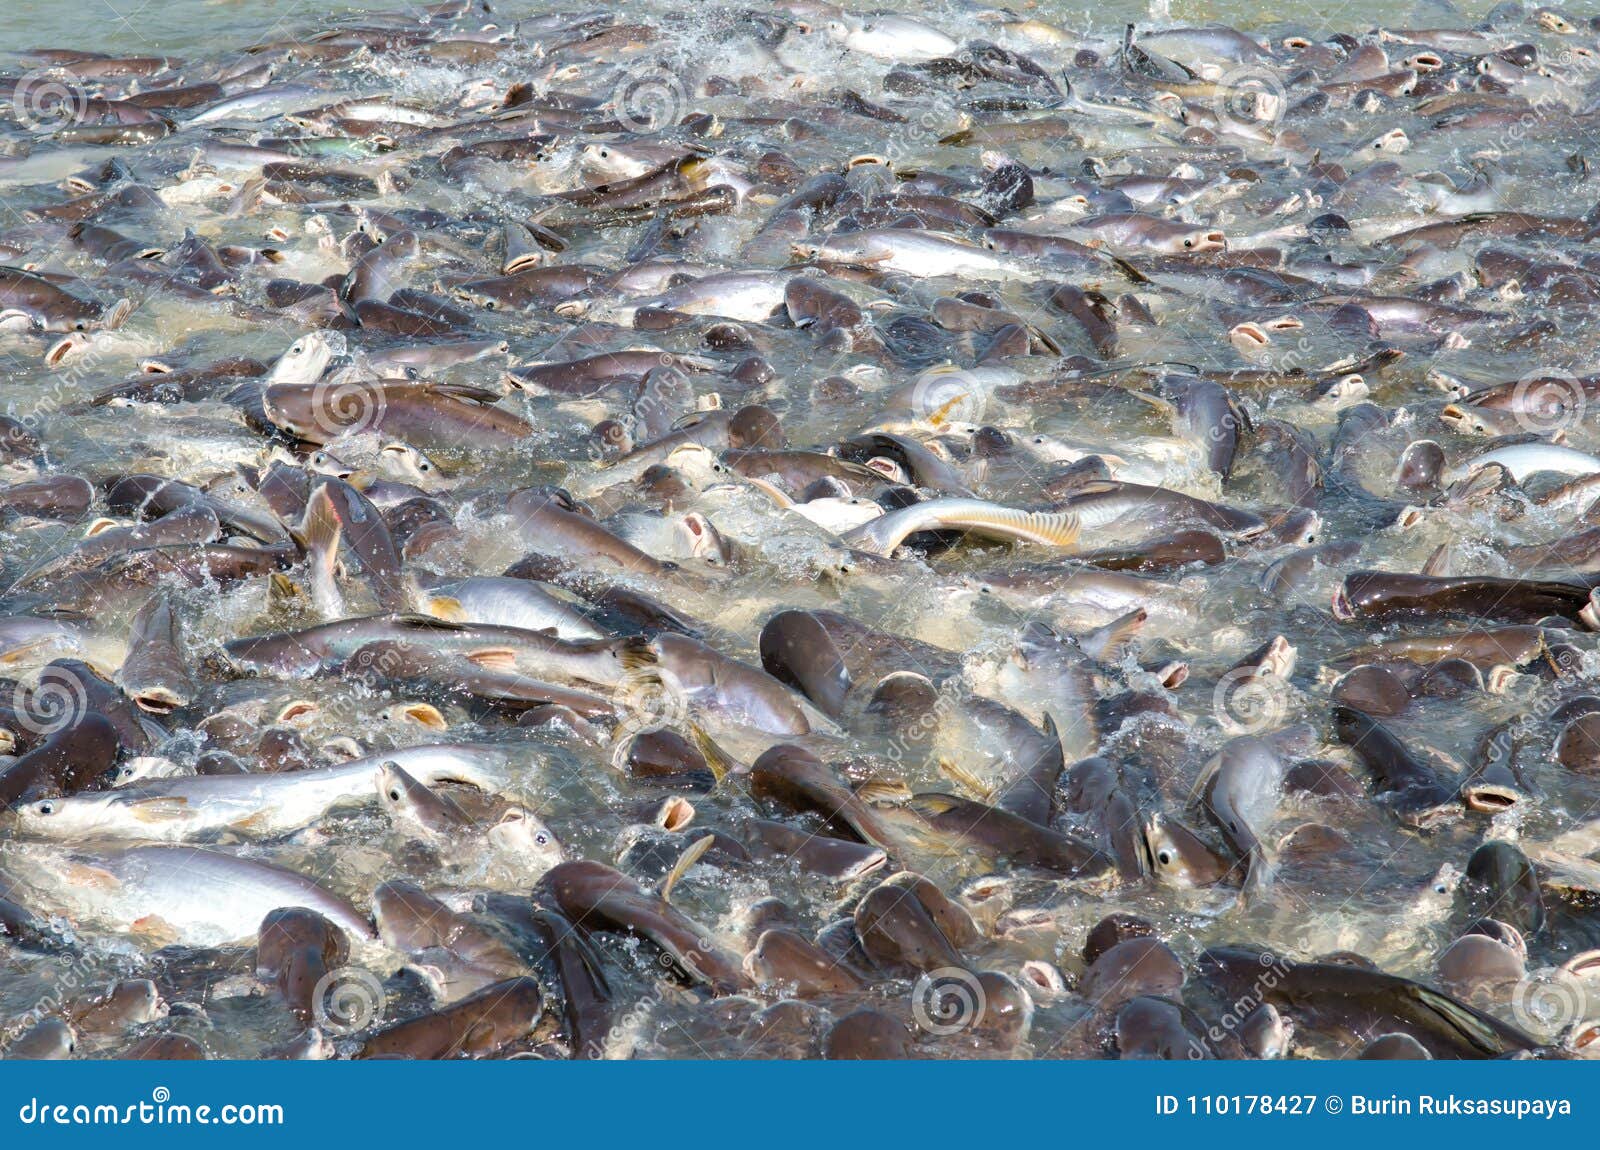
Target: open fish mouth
{"points": [[158, 700], [1491, 798]]}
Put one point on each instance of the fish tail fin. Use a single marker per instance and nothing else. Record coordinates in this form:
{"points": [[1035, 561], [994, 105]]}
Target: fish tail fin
{"points": [[721, 763], [686, 861], [320, 531], [1111, 642], [636, 655]]}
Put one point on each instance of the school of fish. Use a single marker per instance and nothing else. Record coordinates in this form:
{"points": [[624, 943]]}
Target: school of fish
{"points": [[797, 532]]}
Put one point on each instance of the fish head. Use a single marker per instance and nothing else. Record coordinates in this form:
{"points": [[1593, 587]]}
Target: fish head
{"points": [[1199, 240], [522, 833], [403, 463], [307, 358], [396, 788], [609, 161], [63, 818], [1037, 647], [706, 543], [1175, 855]]}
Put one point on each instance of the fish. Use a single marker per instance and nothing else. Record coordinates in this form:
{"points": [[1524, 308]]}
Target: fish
{"points": [[154, 673], [483, 1023], [882, 535], [1421, 798], [187, 807], [171, 893], [1342, 998], [592, 892], [1246, 784]]}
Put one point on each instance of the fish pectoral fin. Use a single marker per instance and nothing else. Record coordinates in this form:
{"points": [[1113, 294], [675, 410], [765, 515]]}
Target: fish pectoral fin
{"points": [[253, 823], [82, 874], [283, 589], [1203, 780], [158, 809], [1155, 401], [931, 804], [156, 928], [938, 417], [883, 791], [964, 778], [493, 658]]}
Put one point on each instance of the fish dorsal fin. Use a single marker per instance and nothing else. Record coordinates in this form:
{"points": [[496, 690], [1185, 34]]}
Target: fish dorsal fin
{"points": [[463, 391], [427, 622], [446, 607]]}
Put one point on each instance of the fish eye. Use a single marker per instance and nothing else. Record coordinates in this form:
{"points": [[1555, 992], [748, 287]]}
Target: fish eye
{"points": [[46, 808], [394, 796], [1164, 858], [1188, 243], [541, 840]]}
